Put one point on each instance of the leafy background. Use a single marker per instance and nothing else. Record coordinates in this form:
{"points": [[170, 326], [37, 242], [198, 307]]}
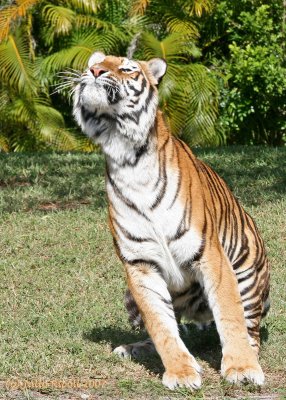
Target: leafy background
{"points": [[225, 84]]}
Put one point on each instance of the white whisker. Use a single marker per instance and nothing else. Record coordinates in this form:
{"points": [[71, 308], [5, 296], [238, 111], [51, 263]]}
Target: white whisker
{"points": [[74, 70], [71, 92], [62, 85], [68, 75]]}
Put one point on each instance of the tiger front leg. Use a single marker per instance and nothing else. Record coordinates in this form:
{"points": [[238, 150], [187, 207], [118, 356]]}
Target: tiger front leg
{"points": [[240, 360], [155, 304]]}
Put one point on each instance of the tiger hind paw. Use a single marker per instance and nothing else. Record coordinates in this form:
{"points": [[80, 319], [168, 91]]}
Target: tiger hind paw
{"points": [[135, 349]]}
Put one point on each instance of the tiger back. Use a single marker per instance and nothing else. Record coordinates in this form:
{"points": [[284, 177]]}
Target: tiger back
{"points": [[188, 247]]}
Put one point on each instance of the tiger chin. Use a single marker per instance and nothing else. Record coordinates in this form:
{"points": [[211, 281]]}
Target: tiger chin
{"points": [[188, 247]]}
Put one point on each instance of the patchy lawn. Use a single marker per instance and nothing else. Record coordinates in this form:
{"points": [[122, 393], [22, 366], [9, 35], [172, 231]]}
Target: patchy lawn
{"points": [[62, 286]]}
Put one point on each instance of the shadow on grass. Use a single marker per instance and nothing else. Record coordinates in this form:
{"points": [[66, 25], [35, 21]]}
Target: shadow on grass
{"points": [[203, 344], [51, 181]]}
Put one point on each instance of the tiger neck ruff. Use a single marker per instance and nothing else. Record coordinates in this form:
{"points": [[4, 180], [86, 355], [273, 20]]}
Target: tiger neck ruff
{"points": [[188, 247]]}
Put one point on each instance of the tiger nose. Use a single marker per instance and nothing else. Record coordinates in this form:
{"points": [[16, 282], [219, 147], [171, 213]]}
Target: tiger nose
{"points": [[96, 72]]}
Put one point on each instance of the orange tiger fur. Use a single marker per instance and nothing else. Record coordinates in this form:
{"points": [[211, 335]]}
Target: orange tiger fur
{"points": [[188, 247]]}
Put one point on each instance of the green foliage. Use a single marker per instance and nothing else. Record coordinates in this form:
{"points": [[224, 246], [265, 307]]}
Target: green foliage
{"points": [[257, 95], [252, 72], [224, 57], [28, 120], [31, 55], [188, 92], [52, 36]]}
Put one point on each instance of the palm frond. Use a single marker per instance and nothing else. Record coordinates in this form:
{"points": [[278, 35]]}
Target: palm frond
{"points": [[181, 26], [60, 19], [173, 48], [197, 7], [58, 138], [52, 130], [22, 112], [4, 143], [171, 16], [4, 96], [16, 68], [85, 6], [139, 7], [10, 14], [77, 55], [84, 21], [202, 97], [48, 115], [189, 97]]}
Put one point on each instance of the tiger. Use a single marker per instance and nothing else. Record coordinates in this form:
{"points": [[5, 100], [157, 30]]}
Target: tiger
{"points": [[188, 247]]}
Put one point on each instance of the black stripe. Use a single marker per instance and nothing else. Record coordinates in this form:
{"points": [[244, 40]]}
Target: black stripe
{"points": [[135, 115], [113, 92], [249, 275], [253, 306], [248, 288], [138, 155], [201, 250], [129, 235], [213, 193], [124, 84], [244, 250], [163, 174], [86, 115], [233, 246], [229, 211], [82, 86], [253, 316], [240, 260], [168, 303], [217, 193], [136, 91], [251, 297], [181, 229], [195, 298], [187, 151], [123, 198], [179, 183], [253, 330]]}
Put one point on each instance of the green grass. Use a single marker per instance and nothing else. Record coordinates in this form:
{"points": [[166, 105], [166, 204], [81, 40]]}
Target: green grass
{"points": [[62, 287]]}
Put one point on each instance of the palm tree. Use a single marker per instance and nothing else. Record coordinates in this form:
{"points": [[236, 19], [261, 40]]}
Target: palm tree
{"points": [[29, 117], [189, 92], [63, 36]]}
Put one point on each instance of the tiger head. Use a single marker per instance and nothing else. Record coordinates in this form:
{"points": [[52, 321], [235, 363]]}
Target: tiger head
{"points": [[118, 98]]}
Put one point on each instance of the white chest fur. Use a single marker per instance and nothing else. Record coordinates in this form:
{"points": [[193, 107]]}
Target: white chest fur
{"points": [[146, 233]]}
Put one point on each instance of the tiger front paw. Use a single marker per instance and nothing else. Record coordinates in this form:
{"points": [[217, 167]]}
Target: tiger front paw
{"points": [[242, 367], [185, 375]]}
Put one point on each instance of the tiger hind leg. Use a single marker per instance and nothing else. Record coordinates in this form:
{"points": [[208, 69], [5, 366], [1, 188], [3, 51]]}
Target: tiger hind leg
{"points": [[253, 325], [239, 361], [138, 348]]}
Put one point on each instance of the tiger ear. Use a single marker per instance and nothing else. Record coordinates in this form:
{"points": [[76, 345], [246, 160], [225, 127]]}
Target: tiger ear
{"points": [[157, 67], [96, 58]]}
